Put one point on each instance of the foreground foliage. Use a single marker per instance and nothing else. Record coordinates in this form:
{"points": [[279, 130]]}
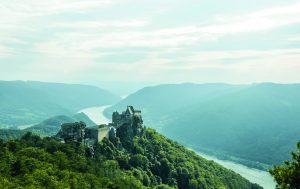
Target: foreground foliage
{"points": [[288, 175], [152, 161]]}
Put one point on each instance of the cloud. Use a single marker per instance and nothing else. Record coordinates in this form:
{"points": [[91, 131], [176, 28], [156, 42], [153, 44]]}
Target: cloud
{"points": [[258, 21], [19, 19], [213, 59], [262, 20], [6, 52], [294, 38], [100, 24], [39, 8], [277, 11], [279, 65], [67, 46]]}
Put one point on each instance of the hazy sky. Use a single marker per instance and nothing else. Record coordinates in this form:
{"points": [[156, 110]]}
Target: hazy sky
{"points": [[83, 41]]}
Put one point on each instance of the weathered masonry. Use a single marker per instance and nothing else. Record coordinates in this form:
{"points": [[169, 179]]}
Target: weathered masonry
{"points": [[130, 120]]}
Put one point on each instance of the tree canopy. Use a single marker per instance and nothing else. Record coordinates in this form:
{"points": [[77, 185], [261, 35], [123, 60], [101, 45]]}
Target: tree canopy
{"points": [[151, 161], [287, 176]]}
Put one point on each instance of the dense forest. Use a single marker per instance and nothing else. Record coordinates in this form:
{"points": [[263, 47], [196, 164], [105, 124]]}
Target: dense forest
{"points": [[248, 123], [151, 161]]}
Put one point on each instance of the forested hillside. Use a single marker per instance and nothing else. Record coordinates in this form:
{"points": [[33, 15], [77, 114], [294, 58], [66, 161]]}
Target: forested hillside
{"points": [[48, 127], [51, 126], [258, 122], [159, 102], [153, 161], [11, 134], [23, 103]]}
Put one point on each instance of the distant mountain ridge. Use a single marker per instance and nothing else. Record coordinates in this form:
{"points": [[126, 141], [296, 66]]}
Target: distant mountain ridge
{"points": [[48, 127], [258, 122], [29, 102], [172, 97], [51, 126]]}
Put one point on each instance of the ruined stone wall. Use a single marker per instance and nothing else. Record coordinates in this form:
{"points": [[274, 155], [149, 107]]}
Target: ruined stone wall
{"points": [[91, 133], [103, 133]]}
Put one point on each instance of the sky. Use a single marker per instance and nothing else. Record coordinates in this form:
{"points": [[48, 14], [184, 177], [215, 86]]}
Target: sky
{"points": [[150, 41]]}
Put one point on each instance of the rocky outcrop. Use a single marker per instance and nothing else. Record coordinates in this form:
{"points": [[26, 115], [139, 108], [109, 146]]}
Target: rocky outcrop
{"points": [[127, 131], [72, 132]]}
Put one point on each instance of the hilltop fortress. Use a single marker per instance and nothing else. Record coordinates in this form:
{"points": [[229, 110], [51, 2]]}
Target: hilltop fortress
{"points": [[127, 124], [127, 117]]}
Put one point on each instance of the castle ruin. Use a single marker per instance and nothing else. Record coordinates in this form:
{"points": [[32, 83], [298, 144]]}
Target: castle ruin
{"points": [[127, 117], [129, 120]]}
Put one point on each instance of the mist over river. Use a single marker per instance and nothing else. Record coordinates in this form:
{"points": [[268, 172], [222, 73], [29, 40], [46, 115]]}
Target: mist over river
{"points": [[260, 177]]}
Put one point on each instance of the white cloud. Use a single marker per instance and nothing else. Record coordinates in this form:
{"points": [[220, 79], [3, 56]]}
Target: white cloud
{"points": [[294, 38], [254, 22], [6, 52], [39, 8], [73, 46], [281, 65], [212, 59], [263, 20], [17, 17], [100, 24], [278, 11]]}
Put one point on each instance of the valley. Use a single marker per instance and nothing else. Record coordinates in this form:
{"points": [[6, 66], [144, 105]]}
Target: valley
{"points": [[24, 103], [130, 94], [202, 117], [131, 156], [263, 178], [255, 124]]}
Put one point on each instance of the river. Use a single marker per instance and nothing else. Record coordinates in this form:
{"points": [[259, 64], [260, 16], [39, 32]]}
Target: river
{"points": [[262, 178], [96, 114]]}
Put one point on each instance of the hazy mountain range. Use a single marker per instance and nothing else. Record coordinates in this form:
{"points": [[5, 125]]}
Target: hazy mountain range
{"points": [[51, 126], [48, 127], [258, 122], [23, 103]]}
